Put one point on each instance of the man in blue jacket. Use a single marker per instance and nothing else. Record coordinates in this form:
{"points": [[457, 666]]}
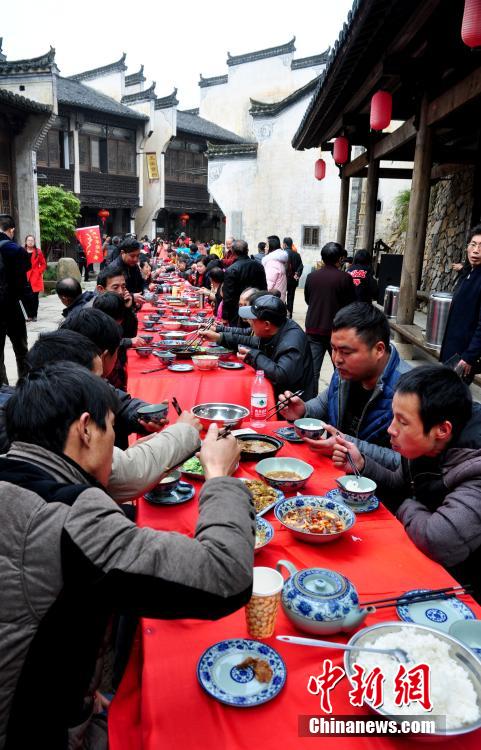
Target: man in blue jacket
{"points": [[14, 263], [358, 401]]}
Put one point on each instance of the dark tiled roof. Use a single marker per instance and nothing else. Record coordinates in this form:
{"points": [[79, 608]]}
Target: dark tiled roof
{"points": [[88, 75], [140, 96], [32, 65], [261, 54], [167, 101], [310, 62], [21, 102], [231, 150], [77, 94], [198, 126], [265, 109], [134, 78], [194, 111], [214, 81], [2, 55]]}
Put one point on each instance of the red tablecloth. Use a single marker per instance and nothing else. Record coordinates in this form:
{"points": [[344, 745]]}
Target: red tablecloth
{"points": [[160, 702]]}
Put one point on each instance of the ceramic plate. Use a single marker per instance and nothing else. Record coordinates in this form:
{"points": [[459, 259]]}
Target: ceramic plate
{"points": [[180, 368], [437, 613], [368, 507], [265, 528], [280, 495], [174, 497], [231, 365], [289, 434], [220, 677]]}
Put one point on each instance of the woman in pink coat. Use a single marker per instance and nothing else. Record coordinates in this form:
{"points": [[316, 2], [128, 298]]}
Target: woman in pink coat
{"points": [[275, 264], [38, 265]]}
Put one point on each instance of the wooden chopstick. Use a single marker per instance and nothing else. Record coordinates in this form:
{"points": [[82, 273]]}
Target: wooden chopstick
{"points": [[274, 409], [176, 406], [393, 601]]}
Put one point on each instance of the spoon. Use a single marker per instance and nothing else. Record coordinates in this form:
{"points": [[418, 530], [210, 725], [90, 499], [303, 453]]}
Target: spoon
{"points": [[397, 653]]}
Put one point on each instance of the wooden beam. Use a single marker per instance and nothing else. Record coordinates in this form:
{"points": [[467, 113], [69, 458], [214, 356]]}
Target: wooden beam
{"points": [[383, 148], [353, 168], [343, 211], [418, 219], [457, 96], [371, 204]]}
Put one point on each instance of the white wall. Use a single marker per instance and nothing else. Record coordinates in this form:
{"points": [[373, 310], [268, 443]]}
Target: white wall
{"points": [[110, 84]]}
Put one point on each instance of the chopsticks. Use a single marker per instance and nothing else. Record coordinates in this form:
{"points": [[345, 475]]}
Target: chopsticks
{"points": [[424, 596], [176, 406], [273, 410], [196, 342], [155, 369]]}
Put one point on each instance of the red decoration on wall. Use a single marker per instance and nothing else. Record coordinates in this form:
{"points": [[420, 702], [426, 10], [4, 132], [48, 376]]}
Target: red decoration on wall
{"points": [[184, 219], [341, 150], [381, 110], [471, 27], [320, 169], [103, 214]]}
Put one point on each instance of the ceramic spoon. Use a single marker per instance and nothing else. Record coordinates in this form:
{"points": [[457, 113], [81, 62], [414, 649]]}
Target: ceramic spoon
{"points": [[398, 653]]}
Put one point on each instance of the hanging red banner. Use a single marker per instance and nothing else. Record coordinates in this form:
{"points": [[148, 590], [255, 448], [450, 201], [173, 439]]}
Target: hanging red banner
{"points": [[89, 238]]}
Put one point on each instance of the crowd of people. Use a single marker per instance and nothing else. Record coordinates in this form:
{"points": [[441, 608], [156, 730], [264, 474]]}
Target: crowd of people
{"points": [[77, 571]]}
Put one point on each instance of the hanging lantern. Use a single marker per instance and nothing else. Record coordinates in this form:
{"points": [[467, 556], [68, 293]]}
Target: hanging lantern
{"points": [[103, 214], [341, 150], [381, 110], [184, 219], [471, 26], [320, 169]]}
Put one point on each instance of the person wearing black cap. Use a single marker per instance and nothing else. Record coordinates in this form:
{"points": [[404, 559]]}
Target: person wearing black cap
{"points": [[278, 345]]}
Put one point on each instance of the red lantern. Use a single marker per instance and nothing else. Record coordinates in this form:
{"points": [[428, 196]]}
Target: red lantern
{"points": [[184, 219], [471, 27], [103, 214], [381, 110], [341, 150], [320, 169]]}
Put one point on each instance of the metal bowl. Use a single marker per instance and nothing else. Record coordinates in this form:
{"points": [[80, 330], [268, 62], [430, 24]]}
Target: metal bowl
{"points": [[303, 469], [458, 651], [189, 326], [302, 501], [275, 443], [220, 414], [365, 488]]}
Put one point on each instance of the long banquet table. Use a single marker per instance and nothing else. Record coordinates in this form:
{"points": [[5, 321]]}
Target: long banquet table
{"points": [[160, 703]]}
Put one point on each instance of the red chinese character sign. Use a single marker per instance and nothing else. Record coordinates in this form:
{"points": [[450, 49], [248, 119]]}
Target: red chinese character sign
{"points": [[89, 238]]}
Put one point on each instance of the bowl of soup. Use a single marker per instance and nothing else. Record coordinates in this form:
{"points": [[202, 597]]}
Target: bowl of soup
{"points": [[284, 473]]}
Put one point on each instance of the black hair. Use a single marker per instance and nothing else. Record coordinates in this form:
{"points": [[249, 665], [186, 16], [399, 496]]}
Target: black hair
{"points": [[474, 231], [216, 274], [107, 273], [111, 304], [65, 346], [274, 242], [97, 326], [370, 323], [204, 260], [288, 241], [362, 257], [331, 252], [47, 401], [193, 247], [6, 222], [261, 246], [68, 287], [240, 248], [442, 395], [129, 245]]}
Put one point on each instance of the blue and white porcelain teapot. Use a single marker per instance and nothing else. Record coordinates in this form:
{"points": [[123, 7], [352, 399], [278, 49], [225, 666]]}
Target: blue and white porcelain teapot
{"points": [[321, 601]]}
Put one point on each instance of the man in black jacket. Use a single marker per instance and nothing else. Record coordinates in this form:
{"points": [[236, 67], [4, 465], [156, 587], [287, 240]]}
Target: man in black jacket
{"points": [[128, 265], [14, 263], [279, 346], [242, 273]]}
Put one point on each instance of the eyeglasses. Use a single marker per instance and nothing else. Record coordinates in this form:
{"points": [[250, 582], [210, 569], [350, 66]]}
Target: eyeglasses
{"points": [[474, 244]]}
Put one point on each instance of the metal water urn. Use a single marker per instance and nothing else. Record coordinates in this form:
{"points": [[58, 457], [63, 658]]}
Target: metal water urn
{"points": [[391, 301], [438, 311]]}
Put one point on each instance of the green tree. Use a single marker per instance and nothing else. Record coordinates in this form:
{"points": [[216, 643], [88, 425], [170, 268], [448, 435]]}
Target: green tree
{"points": [[59, 211], [401, 209]]}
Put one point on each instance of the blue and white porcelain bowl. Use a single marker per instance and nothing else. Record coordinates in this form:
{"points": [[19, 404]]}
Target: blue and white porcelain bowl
{"points": [[315, 429], [346, 515], [356, 489], [264, 533]]}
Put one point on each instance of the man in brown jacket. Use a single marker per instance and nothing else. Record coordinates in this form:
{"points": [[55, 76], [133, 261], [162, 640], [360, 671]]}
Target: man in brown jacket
{"points": [[326, 291]]}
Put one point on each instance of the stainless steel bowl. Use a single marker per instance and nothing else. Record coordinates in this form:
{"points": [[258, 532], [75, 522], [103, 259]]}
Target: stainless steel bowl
{"points": [[458, 651], [220, 414]]}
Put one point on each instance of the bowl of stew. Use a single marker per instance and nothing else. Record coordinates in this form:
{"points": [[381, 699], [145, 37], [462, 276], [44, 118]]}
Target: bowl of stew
{"points": [[315, 519]]}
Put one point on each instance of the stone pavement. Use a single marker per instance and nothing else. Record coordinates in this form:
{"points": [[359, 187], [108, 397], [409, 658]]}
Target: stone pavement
{"points": [[50, 314]]}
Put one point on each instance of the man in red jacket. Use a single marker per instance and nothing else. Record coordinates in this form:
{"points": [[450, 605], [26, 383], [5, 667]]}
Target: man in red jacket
{"points": [[326, 291]]}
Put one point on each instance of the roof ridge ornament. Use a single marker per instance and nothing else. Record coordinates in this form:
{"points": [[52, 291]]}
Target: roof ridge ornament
{"points": [[167, 101], [87, 75], [262, 54]]}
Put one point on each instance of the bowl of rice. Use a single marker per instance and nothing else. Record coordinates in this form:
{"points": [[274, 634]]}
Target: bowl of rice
{"points": [[454, 680], [356, 489]]}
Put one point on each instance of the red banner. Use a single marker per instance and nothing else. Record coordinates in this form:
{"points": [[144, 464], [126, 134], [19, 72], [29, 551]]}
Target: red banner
{"points": [[89, 238]]}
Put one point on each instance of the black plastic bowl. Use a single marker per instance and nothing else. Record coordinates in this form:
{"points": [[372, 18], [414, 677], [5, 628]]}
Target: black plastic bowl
{"points": [[250, 456]]}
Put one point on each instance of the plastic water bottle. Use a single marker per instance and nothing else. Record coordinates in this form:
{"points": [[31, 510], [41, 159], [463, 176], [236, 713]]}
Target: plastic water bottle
{"points": [[259, 395]]}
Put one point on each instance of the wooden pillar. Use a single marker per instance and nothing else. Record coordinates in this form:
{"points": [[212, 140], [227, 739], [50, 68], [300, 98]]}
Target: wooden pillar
{"points": [[418, 219], [371, 202], [343, 211]]}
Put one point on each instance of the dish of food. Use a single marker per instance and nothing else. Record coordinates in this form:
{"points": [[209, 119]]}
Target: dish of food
{"points": [[315, 520], [263, 495], [283, 475], [193, 466], [264, 533], [255, 446], [262, 670]]}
